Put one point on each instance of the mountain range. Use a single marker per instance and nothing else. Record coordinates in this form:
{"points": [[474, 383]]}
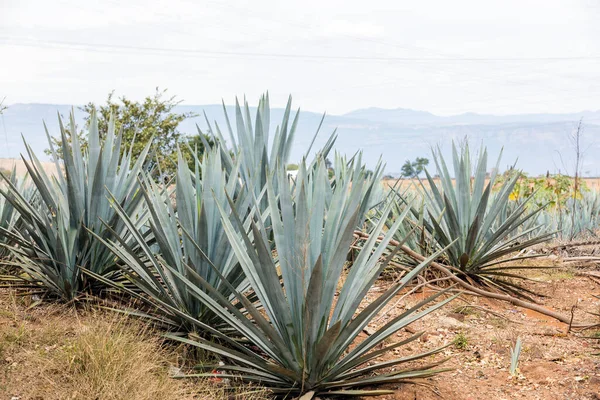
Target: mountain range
{"points": [[536, 142]]}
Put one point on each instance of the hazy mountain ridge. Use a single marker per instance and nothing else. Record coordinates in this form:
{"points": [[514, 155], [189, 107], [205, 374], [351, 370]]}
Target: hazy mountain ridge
{"points": [[412, 117], [539, 141]]}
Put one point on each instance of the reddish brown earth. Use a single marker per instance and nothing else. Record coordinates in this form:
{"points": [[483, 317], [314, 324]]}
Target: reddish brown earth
{"points": [[553, 364]]}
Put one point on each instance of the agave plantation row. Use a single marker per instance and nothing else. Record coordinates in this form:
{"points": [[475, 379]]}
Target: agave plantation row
{"points": [[240, 260]]}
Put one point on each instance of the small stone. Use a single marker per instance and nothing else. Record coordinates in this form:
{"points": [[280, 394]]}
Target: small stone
{"points": [[369, 331], [457, 316], [451, 323], [175, 372]]}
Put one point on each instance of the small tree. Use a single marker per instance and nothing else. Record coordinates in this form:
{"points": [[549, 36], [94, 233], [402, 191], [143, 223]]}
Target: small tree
{"points": [[576, 142], [195, 144], [152, 119], [413, 169]]}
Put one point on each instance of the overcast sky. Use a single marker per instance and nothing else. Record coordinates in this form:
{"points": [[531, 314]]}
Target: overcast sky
{"points": [[499, 57]]}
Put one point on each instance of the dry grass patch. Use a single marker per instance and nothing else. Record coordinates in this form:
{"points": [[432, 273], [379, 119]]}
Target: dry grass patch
{"points": [[114, 360], [92, 357], [57, 352]]}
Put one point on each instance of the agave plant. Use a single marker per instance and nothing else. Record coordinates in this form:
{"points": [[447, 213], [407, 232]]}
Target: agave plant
{"points": [[349, 170], [515, 352], [189, 239], [252, 142], [421, 241], [579, 219], [466, 214], [53, 242], [300, 340]]}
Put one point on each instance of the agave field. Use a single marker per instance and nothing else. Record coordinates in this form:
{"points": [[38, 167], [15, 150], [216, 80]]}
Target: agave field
{"points": [[308, 286]]}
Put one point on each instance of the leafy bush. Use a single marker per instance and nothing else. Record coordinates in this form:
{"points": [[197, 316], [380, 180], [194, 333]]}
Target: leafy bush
{"points": [[571, 214], [153, 120], [552, 191]]}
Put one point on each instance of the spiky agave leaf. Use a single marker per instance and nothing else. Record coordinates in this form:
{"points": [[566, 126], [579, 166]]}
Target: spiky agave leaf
{"points": [[466, 212], [580, 218], [409, 205], [533, 225], [54, 241], [9, 216], [190, 239], [306, 328], [347, 171]]}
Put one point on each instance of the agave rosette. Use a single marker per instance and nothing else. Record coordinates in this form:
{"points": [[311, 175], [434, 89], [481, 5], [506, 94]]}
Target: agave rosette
{"points": [[54, 240], [187, 238], [300, 338], [482, 234]]}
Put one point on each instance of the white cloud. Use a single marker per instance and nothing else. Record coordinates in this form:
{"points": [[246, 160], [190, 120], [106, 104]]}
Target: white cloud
{"points": [[41, 63], [345, 28]]}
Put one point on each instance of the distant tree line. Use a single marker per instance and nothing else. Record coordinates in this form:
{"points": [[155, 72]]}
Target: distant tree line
{"points": [[412, 169]]}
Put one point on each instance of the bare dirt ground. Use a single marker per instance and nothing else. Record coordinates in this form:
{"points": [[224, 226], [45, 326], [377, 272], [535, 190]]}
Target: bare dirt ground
{"points": [[553, 364]]}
